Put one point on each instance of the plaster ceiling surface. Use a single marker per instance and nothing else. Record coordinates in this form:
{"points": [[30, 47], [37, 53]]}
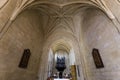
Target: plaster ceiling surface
{"points": [[61, 45], [60, 13], [57, 16]]}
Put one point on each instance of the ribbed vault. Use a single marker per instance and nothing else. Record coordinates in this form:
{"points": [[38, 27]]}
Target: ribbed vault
{"points": [[57, 12], [59, 15], [61, 45], [55, 18]]}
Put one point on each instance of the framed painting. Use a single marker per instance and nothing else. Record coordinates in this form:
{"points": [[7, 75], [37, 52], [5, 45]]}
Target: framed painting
{"points": [[25, 58], [97, 58]]}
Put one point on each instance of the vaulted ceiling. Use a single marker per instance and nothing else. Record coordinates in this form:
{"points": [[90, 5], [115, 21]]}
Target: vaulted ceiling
{"points": [[60, 13], [56, 13], [59, 17]]}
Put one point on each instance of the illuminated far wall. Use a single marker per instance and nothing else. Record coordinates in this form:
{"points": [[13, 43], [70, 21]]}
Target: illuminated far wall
{"points": [[60, 54], [52, 59]]}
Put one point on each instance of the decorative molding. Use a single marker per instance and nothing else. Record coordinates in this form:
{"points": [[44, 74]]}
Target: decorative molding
{"points": [[102, 5], [18, 9], [118, 1], [3, 3], [21, 4]]}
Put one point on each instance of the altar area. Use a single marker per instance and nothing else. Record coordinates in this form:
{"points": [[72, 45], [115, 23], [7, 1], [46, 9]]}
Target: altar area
{"points": [[61, 79]]}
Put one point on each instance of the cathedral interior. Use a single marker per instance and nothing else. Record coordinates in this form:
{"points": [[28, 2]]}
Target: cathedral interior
{"points": [[59, 40]]}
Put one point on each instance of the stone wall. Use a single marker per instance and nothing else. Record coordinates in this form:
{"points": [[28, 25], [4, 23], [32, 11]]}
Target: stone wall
{"points": [[23, 33], [99, 32], [6, 12], [28, 28]]}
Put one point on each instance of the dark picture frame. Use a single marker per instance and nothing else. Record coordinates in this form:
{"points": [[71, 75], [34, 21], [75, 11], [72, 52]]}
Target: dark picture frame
{"points": [[97, 58], [25, 58]]}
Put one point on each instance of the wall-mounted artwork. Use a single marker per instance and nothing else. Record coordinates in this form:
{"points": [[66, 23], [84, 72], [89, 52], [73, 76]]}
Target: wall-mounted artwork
{"points": [[97, 58], [25, 58]]}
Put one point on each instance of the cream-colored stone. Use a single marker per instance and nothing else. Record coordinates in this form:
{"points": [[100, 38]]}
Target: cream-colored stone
{"points": [[77, 25]]}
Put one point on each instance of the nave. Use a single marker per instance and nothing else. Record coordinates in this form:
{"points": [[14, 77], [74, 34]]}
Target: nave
{"points": [[59, 39]]}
